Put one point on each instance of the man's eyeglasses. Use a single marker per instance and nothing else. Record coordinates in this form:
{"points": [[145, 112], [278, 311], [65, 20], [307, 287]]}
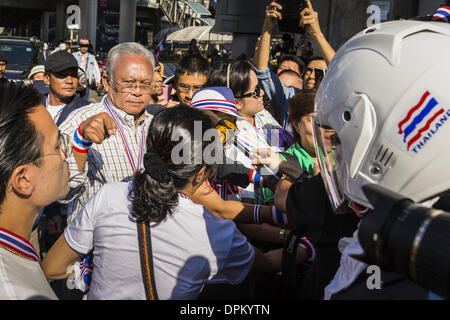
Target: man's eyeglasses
{"points": [[65, 147], [132, 86], [185, 88], [255, 94]]}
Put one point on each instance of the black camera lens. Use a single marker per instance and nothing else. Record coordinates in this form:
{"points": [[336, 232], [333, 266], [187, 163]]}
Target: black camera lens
{"points": [[413, 240]]}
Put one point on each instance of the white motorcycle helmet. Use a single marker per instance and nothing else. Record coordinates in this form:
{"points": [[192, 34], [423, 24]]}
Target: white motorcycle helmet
{"points": [[382, 113]]}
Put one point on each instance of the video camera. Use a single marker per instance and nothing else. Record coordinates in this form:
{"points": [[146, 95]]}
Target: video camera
{"points": [[402, 236]]}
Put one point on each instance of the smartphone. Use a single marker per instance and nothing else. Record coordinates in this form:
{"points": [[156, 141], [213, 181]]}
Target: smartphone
{"points": [[291, 16]]}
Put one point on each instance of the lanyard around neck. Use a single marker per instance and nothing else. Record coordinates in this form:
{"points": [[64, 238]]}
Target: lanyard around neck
{"points": [[134, 166], [47, 102]]}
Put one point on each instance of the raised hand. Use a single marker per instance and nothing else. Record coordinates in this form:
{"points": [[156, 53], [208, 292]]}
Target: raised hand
{"points": [[309, 19], [273, 14]]}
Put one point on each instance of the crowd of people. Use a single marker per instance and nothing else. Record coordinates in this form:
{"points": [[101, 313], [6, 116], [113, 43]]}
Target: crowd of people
{"points": [[208, 186]]}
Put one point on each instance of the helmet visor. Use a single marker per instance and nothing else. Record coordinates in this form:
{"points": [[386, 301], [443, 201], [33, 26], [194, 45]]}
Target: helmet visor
{"points": [[330, 157]]}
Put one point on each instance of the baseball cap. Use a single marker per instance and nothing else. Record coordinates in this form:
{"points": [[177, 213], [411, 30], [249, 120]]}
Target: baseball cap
{"points": [[3, 57], [59, 61], [36, 69], [216, 99]]}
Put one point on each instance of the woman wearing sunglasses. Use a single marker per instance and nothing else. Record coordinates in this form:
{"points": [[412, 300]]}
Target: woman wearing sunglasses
{"points": [[257, 128]]}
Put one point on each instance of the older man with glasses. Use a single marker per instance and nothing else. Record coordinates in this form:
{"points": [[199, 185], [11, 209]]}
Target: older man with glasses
{"points": [[109, 137]]}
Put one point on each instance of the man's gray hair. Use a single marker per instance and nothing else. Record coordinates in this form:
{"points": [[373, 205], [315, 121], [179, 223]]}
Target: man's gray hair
{"points": [[127, 48]]}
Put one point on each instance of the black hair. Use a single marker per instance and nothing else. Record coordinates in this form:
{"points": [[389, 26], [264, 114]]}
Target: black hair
{"points": [[301, 104], [20, 142], [154, 193], [312, 58], [289, 72], [192, 64], [3, 57], [239, 81], [297, 60]]}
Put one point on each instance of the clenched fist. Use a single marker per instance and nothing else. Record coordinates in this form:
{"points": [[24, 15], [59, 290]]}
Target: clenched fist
{"points": [[99, 127]]}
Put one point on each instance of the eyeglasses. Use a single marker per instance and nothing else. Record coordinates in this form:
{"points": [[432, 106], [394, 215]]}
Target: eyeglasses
{"points": [[132, 86], [65, 148], [255, 94], [317, 71], [185, 88]]}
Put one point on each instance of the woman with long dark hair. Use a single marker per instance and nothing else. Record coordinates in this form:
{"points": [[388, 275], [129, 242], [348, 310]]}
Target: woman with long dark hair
{"points": [[190, 246]]}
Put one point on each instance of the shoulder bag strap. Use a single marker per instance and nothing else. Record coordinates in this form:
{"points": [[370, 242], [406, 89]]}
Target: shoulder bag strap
{"points": [[288, 266], [145, 253]]}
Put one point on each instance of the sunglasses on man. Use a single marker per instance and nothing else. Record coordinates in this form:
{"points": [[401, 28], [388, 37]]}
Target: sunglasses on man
{"points": [[319, 73]]}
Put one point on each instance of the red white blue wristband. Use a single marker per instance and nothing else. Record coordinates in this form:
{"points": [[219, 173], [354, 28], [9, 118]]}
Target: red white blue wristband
{"points": [[256, 214], [80, 143], [307, 245], [255, 178], [279, 217]]}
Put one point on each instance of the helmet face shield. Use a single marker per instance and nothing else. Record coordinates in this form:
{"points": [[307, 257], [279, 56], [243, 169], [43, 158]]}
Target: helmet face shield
{"points": [[332, 165]]}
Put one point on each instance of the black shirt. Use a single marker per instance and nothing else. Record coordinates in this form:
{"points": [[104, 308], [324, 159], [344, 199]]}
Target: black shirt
{"points": [[309, 209]]}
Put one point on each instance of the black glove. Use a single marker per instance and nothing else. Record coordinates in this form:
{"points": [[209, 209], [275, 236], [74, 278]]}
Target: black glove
{"points": [[291, 167], [234, 173]]}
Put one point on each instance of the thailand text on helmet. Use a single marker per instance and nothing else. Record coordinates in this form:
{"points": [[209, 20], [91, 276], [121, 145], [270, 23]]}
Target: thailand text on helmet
{"points": [[386, 96]]}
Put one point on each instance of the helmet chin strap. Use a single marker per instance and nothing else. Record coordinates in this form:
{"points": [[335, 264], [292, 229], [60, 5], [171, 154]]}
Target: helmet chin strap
{"points": [[359, 210]]}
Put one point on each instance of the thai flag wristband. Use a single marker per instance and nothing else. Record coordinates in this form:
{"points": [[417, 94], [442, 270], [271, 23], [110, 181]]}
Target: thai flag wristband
{"points": [[255, 178], [305, 244], [279, 217], [256, 214], [80, 143]]}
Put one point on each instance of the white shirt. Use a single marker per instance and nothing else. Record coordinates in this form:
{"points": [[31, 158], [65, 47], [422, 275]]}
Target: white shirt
{"points": [[21, 277], [83, 60], [55, 111], [191, 247]]}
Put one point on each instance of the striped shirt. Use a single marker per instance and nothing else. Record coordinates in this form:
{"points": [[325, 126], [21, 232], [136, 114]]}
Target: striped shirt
{"points": [[264, 134], [106, 162]]}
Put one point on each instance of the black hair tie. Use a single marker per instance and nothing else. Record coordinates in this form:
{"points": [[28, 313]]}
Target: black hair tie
{"points": [[155, 167]]}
